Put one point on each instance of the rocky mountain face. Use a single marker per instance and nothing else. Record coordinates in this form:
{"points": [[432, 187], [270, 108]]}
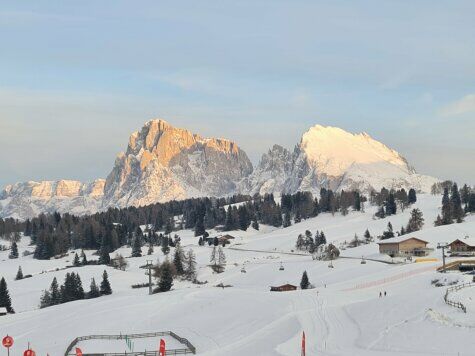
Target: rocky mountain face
{"points": [[162, 163], [332, 158], [28, 199]]}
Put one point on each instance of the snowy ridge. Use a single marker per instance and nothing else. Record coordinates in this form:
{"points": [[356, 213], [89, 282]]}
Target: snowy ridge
{"points": [[332, 158], [28, 199], [163, 163]]}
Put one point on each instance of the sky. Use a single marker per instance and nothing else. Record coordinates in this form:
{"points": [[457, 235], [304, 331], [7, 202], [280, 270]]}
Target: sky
{"points": [[78, 77]]}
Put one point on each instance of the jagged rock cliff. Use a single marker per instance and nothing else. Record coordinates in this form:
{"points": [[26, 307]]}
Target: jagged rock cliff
{"points": [[163, 163], [28, 199]]}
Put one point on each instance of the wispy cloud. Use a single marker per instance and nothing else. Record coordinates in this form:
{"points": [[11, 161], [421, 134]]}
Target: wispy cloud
{"points": [[459, 107]]}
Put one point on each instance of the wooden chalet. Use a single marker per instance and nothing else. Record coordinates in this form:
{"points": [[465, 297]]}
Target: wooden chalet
{"points": [[404, 246], [463, 247], [283, 288]]}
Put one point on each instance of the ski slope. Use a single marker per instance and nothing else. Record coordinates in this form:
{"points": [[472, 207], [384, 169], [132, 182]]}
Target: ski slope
{"points": [[342, 315]]}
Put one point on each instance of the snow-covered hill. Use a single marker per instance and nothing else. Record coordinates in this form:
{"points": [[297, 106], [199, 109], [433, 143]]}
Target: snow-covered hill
{"points": [[343, 315], [162, 163]]}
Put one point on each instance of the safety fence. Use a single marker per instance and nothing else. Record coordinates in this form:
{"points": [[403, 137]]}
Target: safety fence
{"points": [[452, 303], [391, 279], [190, 349]]}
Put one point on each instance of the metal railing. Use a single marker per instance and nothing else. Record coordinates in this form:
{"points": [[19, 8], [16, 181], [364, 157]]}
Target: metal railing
{"points": [[189, 350]]}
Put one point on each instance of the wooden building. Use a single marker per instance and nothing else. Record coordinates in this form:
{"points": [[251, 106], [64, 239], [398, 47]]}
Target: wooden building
{"points": [[283, 288], [404, 246], [463, 247]]}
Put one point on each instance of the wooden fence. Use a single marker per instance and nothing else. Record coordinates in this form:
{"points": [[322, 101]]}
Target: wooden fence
{"points": [[190, 349], [456, 288]]}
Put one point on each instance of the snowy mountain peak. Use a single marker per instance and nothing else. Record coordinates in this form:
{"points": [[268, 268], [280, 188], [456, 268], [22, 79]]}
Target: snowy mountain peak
{"points": [[331, 157], [333, 150]]}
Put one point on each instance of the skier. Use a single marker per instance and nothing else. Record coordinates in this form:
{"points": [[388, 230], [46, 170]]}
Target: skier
{"points": [[380, 294], [384, 293]]}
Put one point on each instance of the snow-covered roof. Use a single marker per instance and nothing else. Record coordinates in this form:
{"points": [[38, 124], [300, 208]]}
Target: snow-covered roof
{"points": [[3, 310], [469, 241], [399, 239]]}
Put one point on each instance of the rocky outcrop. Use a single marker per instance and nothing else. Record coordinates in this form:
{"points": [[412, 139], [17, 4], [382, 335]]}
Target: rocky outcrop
{"points": [[28, 199], [163, 163]]}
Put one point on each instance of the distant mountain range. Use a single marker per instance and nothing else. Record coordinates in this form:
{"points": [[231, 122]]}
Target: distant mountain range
{"points": [[162, 163]]}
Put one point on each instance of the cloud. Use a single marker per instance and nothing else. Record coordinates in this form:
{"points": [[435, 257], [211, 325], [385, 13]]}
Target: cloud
{"points": [[459, 107]]}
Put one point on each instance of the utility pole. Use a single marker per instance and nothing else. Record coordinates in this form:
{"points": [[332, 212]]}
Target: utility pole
{"points": [[443, 246]]}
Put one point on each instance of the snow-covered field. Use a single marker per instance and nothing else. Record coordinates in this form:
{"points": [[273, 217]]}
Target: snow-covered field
{"points": [[343, 315]]}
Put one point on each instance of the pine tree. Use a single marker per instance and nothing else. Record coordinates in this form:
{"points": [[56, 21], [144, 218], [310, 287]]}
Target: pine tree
{"points": [[411, 197], [19, 274], [14, 251], [165, 245], [93, 290], [304, 283], [255, 224], [287, 221], [446, 208], [68, 289], [200, 227], [367, 236], [389, 233], [105, 285], [380, 213], [456, 204], [104, 258], [137, 247], [54, 292], [323, 238], [221, 258], [166, 277], [83, 258], [229, 222], [45, 300], [5, 300], [213, 257], [438, 221], [416, 221], [76, 262], [78, 289], [178, 260], [190, 265], [391, 205], [357, 201]]}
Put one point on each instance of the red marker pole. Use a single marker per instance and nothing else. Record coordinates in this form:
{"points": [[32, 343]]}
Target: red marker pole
{"points": [[303, 344], [7, 342], [162, 348]]}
